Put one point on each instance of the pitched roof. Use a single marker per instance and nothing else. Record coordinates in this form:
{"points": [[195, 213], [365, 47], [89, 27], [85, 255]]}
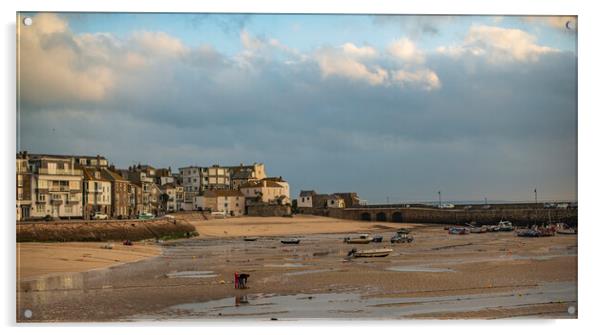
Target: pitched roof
{"points": [[110, 175], [307, 193], [259, 183], [90, 174], [278, 179], [242, 174]]}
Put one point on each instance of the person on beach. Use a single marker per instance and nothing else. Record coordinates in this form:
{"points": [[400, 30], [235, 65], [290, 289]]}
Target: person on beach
{"points": [[236, 279]]}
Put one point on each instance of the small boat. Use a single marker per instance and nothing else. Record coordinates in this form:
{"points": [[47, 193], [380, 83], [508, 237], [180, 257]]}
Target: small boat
{"points": [[377, 239], [564, 229], [362, 239], [383, 252], [250, 239], [478, 230], [527, 233], [459, 230], [569, 231], [402, 238], [505, 226], [403, 231], [290, 241], [492, 229]]}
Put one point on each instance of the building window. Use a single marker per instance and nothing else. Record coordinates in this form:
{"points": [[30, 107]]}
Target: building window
{"points": [[68, 209], [40, 208], [42, 197]]}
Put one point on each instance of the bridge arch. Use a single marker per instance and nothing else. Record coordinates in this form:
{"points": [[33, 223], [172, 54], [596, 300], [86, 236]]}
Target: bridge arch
{"points": [[381, 216], [397, 217], [366, 216]]}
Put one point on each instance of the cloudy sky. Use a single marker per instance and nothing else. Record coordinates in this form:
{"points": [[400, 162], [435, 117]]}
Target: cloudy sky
{"points": [[391, 107]]}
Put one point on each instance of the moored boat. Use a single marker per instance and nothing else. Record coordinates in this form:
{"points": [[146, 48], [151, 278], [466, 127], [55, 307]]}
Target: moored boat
{"points": [[362, 239], [250, 239], [527, 233], [290, 241], [478, 230], [383, 252], [459, 230], [377, 239]]}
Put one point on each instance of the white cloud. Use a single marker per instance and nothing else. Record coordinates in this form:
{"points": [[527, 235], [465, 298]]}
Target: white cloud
{"points": [[406, 50], [158, 43], [352, 50], [424, 78], [499, 45], [335, 63]]}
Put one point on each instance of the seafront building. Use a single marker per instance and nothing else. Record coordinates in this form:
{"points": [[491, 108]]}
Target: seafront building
{"points": [[24, 190], [56, 187], [228, 202], [75, 186], [96, 193]]}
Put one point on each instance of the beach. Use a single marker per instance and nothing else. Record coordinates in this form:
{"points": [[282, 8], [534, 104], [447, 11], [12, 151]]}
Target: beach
{"points": [[491, 275]]}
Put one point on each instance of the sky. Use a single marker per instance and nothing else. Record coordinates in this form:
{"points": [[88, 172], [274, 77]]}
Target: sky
{"points": [[393, 107]]}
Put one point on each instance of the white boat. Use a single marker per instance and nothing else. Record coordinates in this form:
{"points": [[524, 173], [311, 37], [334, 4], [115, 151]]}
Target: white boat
{"points": [[361, 239], [383, 252]]}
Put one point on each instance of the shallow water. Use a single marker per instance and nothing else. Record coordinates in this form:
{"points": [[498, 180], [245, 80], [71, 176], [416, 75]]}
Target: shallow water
{"points": [[417, 269], [298, 273], [352, 305], [284, 265], [191, 274]]}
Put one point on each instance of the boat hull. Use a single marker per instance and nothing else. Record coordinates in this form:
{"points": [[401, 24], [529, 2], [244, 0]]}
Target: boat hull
{"points": [[373, 253]]}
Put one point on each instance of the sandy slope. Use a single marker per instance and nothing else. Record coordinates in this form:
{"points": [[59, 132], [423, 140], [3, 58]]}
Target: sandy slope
{"points": [[35, 259], [280, 226]]}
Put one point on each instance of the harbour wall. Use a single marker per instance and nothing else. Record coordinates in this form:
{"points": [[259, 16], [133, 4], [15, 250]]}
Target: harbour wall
{"points": [[518, 216], [111, 230]]}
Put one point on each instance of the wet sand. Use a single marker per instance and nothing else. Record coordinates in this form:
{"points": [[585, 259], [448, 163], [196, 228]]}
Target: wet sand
{"points": [[493, 275]]}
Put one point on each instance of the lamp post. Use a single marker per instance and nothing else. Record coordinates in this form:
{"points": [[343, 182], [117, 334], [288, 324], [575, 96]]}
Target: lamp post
{"points": [[535, 191], [439, 192]]}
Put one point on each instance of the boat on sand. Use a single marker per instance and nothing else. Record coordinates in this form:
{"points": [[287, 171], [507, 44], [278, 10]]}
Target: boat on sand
{"points": [[361, 239], [290, 241], [382, 252]]}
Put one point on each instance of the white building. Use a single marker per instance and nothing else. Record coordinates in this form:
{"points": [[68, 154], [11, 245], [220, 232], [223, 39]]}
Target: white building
{"points": [[305, 199], [56, 187]]}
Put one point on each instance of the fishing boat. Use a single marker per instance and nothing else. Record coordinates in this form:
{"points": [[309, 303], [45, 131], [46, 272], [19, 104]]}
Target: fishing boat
{"points": [[361, 239], [250, 239], [377, 239], [290, 241], [383, 252]]}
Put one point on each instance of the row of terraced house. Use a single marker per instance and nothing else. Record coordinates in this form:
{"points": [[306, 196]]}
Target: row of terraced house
{"points": [[72, 186]]}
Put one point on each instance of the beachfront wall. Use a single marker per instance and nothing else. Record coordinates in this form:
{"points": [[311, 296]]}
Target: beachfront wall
{"points": [[518, 216]]}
